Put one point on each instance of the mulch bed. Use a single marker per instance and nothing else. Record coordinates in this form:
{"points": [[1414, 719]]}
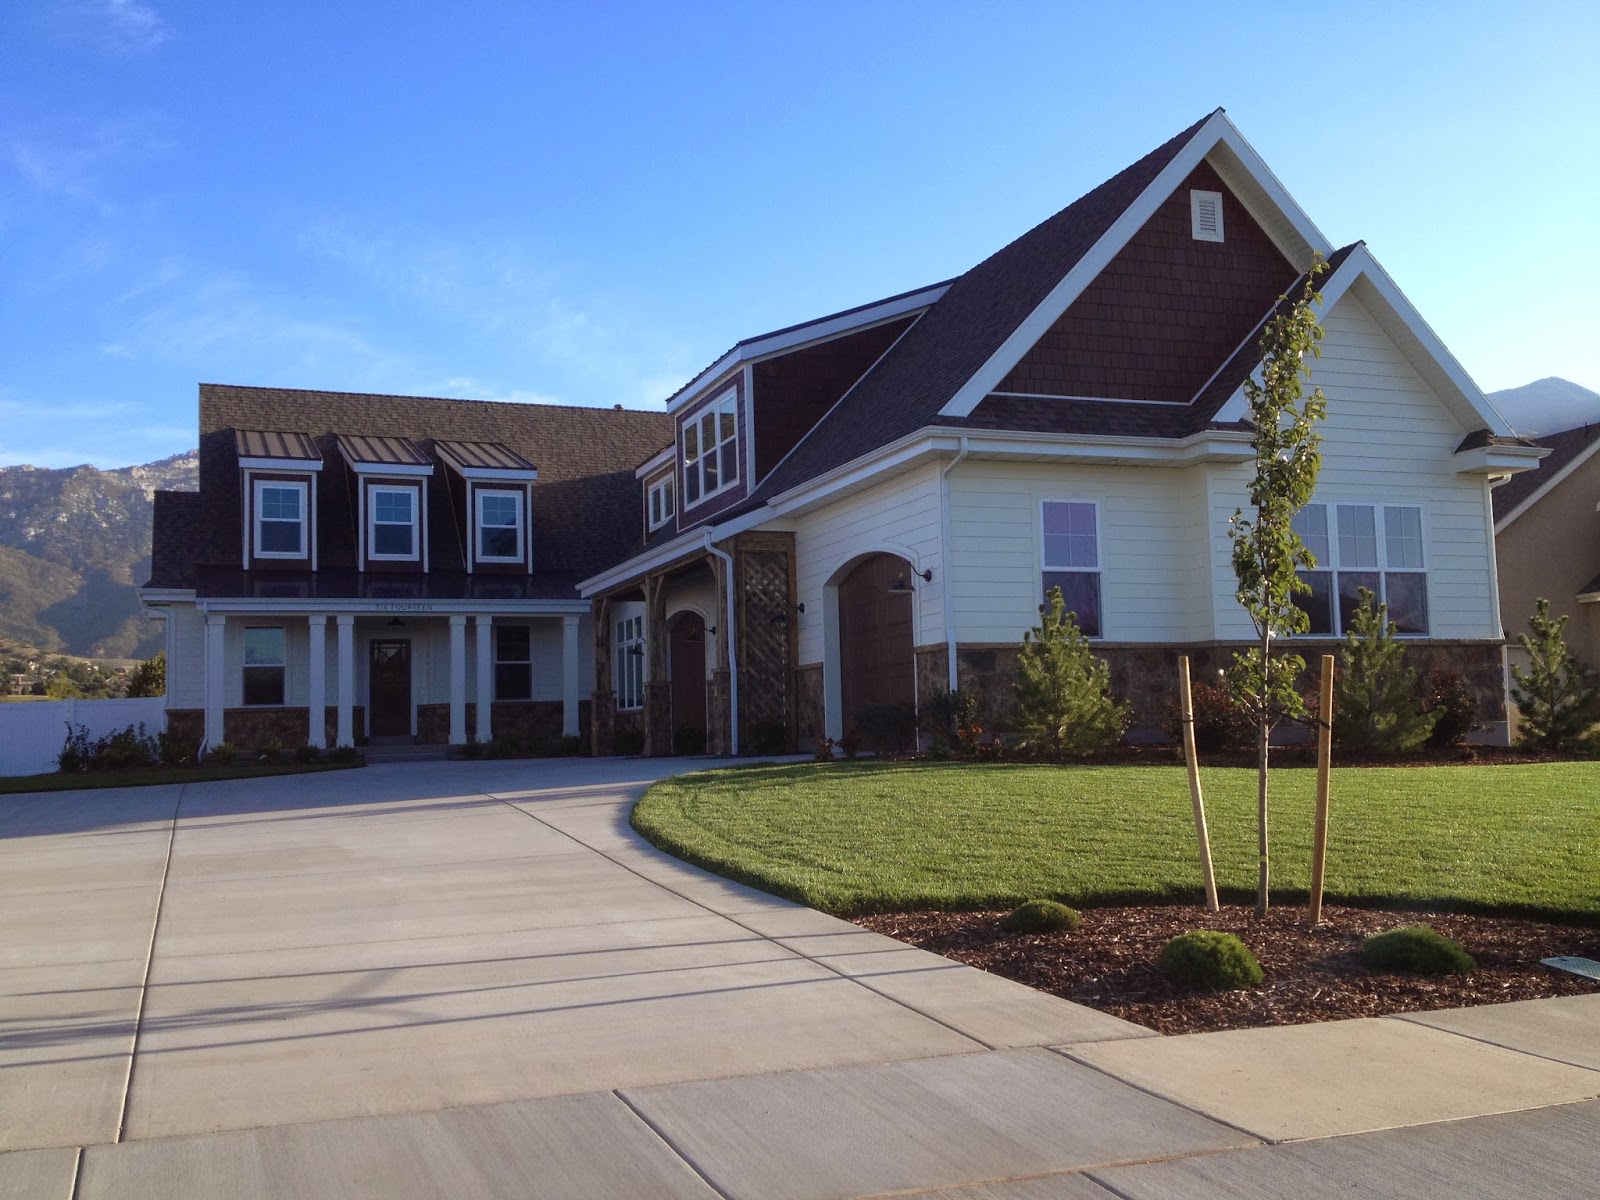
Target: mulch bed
{"points": [[1311, 974]]}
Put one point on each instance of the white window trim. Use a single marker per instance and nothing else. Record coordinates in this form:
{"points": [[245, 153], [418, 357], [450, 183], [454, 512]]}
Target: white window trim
{"points": [[299, 485], [477, 525], [512, 662], [1198, 199], [1382, 570], [1099, 559], [281, 665], [728, 400], [666, 487], [415, 493], [623, 659]]}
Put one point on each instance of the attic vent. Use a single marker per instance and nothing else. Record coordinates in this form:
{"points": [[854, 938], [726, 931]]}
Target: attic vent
{"points": [[1206, 210]]}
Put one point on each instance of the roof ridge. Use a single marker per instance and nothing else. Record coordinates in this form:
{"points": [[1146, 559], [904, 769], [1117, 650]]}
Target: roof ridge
{"points": [[516, 404]]}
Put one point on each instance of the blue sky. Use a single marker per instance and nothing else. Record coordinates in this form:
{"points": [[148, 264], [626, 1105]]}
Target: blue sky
{"points": [[588, 203]]}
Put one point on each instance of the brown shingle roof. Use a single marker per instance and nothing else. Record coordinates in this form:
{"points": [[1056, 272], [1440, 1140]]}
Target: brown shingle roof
{"points": [[180, 538], [1564, 447]]}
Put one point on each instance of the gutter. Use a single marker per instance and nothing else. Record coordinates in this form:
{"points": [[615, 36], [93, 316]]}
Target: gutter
{"points": [[728, 638], [944, 552]]}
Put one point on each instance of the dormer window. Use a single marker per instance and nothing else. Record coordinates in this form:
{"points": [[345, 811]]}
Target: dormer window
{"points": [[661, 502], [710, 450], [392, 534], [280, 519], [499, 526]]}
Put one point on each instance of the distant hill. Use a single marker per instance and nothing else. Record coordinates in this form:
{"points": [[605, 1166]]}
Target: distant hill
{"points": [[74, 543], [1547, 406]]}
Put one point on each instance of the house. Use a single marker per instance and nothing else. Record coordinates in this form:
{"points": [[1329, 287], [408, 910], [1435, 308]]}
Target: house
{"points": [[1547, 540], [855, 511]]}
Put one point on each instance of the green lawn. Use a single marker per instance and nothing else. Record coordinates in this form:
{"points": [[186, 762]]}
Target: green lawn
{"points": [[57, 782], [865, 837]]}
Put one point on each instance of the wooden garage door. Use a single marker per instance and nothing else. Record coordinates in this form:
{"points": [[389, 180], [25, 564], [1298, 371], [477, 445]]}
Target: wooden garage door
{"points": [[876, 658]]}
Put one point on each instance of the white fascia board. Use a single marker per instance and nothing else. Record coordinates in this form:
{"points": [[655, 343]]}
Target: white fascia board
{"points": [[1266, 199], [391, 469], [805, 335], [165, 595], [1498, 460], [1217, 130], [657, 463], [311, 606], [1544, 488], [281, 464], [1589, 597], [663, 555]]}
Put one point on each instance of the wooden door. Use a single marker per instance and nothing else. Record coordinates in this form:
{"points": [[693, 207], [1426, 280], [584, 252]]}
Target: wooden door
{"points": [[687, 670], [877, 660], [389, 688]]}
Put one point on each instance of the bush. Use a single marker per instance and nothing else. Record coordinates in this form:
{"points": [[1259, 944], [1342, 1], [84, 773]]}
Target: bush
{"points": [[1063, 691], [306, 753], [222, 752], [1219, 723], [1041, 916], [177, 749], [1454, 708], [887, 728], [124, 750], [77, 752], [1204, 958], [689, 739], [1417, 948], [1555, 704], [1375, 707], [766, 737], [850, 744], [504, 746], [270, 751], [471, 748], [629, 741], [573, 746], [346, 754], [822, 749], [947, 717]]}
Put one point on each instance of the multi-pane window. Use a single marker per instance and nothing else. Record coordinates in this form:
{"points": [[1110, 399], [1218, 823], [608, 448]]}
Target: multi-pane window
{"points": [[630, 662], [499, 526], [1071, 559], [1372, 546], [711, 450], [280, 520], [660, 502], [263, 665], [393, 526], [513, 662]]}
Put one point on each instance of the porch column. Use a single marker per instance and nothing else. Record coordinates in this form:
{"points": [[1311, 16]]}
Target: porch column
{"points": [[216, 623], [345, 734], [458, 680], [569, 676], [317, 682], [484, 624]]}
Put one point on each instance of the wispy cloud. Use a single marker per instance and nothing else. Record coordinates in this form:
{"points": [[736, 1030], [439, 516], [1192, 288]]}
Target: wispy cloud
{"points": [[71, 162], [124, 28]]}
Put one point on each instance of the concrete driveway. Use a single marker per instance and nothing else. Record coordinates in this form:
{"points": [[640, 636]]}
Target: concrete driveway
{"points": [[461, 979]]}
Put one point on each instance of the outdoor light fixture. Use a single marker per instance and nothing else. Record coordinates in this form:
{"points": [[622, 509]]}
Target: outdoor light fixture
{"points": [[397, 621], [637, 650], [902, 586]]}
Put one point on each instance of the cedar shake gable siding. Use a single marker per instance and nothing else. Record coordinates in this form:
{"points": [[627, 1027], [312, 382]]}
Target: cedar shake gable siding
{"points": [[1165, 312]]}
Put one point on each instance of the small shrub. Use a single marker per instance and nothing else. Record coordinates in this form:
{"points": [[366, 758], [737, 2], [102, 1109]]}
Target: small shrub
{"points": [[77, 752], [1555, 703], [850, 744], [1041, 916], [629, 741], [887, 728], [1454, 708], [689, 739], [306, 753], [1204, 958], [471, 748], [945, 715], [504, 747], [766, 737], [222, 752], [270, 751], [573, 746], [822, 749], [345, 754], [1063, 690], [176, 749], [1417, 948], [125, 749], [1219, 723], [1375, 707]]}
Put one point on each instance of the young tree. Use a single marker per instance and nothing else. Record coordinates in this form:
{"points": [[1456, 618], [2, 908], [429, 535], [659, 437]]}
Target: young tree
{"points": [[1063, 689], [1556, 705], [1375, 693], [149, 678], [1267, 552]]}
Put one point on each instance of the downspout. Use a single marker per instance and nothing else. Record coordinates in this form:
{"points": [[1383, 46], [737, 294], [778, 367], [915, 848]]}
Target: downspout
{"points": [[944, 552], [733, 666]]}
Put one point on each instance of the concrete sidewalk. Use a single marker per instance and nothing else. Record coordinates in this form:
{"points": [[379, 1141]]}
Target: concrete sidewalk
{"points": [[473, 979]]}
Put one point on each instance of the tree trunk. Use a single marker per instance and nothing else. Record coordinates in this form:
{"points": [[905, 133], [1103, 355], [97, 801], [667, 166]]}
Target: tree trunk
{"points": [[1263, 735]]}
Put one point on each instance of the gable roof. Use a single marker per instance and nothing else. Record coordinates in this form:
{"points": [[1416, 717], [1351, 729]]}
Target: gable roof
{"points": [[1568, 450]]}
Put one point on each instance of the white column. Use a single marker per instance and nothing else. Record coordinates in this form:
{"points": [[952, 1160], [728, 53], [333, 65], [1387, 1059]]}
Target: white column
{"points": [[485, 676], [569, 676], [458, 680], [347, 679], [317, 682], [216, 624]]}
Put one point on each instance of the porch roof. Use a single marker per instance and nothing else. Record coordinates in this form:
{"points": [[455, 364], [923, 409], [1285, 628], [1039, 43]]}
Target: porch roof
{"points": [[234, 583]]}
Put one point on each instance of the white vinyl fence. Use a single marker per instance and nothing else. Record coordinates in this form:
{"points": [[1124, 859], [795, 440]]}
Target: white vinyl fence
{"points": [[31, 733]]}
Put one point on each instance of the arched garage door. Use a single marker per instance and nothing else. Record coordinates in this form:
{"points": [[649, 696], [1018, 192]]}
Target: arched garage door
{"points": [[877, 662]]}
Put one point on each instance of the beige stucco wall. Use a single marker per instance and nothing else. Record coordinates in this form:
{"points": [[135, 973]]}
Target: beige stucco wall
{"points": [[1552, 550]]}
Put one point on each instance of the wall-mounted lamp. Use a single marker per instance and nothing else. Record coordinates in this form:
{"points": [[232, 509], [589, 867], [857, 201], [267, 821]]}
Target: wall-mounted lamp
{"points": [[902, 586], [393, 621], [636, 649]]}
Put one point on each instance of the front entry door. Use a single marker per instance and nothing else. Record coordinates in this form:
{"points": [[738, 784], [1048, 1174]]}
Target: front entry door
{"points": [[688, 671], [389, 699]]}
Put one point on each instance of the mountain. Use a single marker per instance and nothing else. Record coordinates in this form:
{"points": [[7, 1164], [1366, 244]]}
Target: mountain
{"points": [[74, 543], [1547, 406]]}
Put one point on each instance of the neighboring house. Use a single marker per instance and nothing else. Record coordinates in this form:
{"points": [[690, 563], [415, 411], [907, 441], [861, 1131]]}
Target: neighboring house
{"points": [[1547, 538], [861, 509]]}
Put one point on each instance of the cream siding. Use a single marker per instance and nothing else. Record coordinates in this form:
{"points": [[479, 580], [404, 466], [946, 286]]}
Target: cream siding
{"points": [[186, 657]]}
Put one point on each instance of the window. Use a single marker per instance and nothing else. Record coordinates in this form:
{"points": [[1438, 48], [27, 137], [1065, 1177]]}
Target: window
{"points": [[711, 450], [263, 666], [1071, 559], [630, 662], [499, 526], [660, 502], [513, 662], [1378, 547], [392, 523], [280, 519]]}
